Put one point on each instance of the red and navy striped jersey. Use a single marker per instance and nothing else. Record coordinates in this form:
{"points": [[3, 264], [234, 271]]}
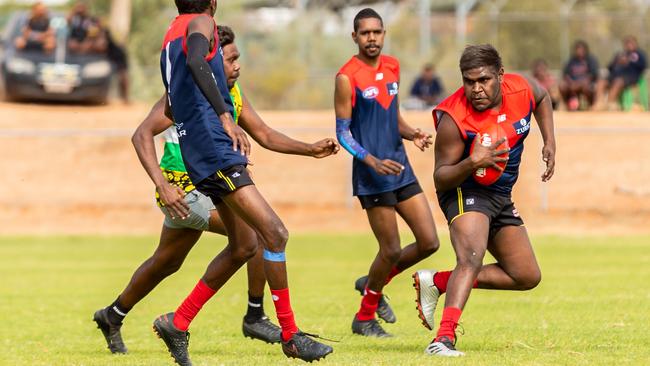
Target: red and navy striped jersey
{"points": [[205, 146], [374, 126], [517, 107]]}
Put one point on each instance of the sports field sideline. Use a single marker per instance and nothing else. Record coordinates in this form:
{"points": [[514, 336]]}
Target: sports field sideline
{"points": [[590, 309]]}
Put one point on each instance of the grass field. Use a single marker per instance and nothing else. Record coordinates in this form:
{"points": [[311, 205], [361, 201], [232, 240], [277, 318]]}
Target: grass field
{"points": [[592, 307]]}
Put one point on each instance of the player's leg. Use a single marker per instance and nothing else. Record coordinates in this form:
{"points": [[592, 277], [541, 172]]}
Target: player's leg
{"points": [[383, 222], [177, 238], [248, 203], [172, 327], [469, 237], [516, 267], [256, 324], [416, 213]]}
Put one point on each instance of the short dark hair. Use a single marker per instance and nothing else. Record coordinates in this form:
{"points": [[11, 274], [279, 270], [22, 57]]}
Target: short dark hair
{"points": [[192, 6], [480, 55], [226, 35], [581, 43], [365, 14]]}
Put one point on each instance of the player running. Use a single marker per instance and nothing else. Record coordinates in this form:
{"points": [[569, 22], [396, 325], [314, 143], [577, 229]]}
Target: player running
{"points": [[215, 153], [482, 217], [370, 127], [188, 212]]}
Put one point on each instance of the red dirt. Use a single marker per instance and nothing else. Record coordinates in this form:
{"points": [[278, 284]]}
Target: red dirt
{"points": [[72, 170]]}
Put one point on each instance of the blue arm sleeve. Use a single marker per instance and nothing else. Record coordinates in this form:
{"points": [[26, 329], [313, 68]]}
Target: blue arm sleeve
{"points": [[346, 140]]}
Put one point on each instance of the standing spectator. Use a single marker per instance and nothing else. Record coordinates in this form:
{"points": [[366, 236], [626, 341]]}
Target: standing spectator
{"points": [[428, 87], [37, 33], [547, 80], [86, 34], [625, 70], [579, 77], [119, 59]]}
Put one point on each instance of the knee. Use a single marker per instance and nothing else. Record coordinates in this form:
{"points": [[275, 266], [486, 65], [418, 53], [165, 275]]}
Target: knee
{"points": [[428, 246], [470, 260], [530, 280], [164, 266], [276, 237], [391, 253], [242, 253]]}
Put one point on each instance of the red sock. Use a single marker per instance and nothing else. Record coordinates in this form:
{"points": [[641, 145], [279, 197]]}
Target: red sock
{"points": [[283, 310], [440, 279], [449, 322], [369, 304], [192, 305], [393, 272]]}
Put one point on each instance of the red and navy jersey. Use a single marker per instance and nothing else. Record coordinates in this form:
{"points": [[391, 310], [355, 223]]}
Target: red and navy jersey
{"points": [[205, 146], [517, 107], [374, 124]]}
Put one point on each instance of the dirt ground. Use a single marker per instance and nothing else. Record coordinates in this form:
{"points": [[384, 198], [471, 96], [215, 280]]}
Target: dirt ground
{"points": [[72, 170]]}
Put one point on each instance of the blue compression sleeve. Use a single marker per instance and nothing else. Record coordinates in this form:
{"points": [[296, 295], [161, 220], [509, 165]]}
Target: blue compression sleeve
{"points": [[346, 140]]}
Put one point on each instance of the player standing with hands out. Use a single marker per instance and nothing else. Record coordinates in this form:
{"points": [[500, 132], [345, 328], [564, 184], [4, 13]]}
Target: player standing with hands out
{"points": [[370, 127]]}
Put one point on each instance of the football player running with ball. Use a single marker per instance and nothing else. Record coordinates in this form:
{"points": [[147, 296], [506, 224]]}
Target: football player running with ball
{"points": [[482, 217]]}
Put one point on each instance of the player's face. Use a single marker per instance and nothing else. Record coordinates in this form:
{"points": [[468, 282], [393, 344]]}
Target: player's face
{"points": [[231, 63], [369, 37], [482, 87]]}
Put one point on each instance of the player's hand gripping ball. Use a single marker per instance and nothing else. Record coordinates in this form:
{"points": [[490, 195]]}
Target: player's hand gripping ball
{"points": [[487, 137]]}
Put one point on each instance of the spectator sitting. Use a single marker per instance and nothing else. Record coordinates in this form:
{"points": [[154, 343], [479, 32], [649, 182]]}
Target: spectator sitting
{"points": [[579, 77], [37, 33], [625, 70], [86, 34], [547, 80], [427, 87]]}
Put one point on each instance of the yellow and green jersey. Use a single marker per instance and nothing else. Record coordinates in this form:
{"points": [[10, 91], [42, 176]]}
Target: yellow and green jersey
{"points": [[171, 163]]}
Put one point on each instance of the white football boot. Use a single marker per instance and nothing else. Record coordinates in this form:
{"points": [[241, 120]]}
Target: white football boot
{"points": [[443, 347], [427, 295]]}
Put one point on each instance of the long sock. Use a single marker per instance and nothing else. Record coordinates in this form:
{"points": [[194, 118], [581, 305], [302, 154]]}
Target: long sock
{"points": [[282, 303], [255, 309], [393, 272], [440, 279], [369, 304], [448, 323], [116, 312], [192, 305]]}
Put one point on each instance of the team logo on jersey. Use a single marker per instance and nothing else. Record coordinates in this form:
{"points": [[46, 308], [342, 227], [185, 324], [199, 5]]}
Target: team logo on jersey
{"points": [[379, 76], [371, 92], [393, 89], [522, 126], [501, 118]]}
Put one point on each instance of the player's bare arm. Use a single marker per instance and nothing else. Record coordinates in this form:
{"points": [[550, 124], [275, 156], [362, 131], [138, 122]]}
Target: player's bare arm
{"points": [[450, 169], [274, 140], [544, 117], [343, 110], [143, 141], [422, 140], [200, 40]]}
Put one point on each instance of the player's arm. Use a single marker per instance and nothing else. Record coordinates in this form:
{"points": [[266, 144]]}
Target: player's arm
{"points": [[200, 32], [544, 117], [343, 110], [450, 168], [421, 139], [143, 141], [276, 141]]}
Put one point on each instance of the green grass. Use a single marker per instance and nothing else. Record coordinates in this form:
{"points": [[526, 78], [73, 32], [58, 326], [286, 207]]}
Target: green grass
{"points": [[592, 307]]}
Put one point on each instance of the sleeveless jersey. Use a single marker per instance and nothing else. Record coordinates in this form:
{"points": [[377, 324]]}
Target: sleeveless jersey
{"points": [[374, 124], [205, 146], [517, 108], [171, 163]]}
